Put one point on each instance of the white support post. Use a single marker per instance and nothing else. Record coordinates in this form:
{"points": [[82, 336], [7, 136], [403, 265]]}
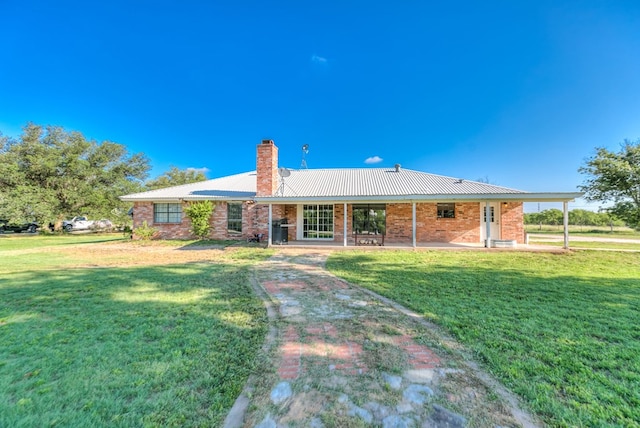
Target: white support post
{"points": [[413, 223], [344, 220], [487, 216], [269, 227], [565, 222]]}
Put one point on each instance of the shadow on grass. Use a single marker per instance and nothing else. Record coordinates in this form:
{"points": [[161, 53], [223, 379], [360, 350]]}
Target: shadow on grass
{"points": [[559, 329], [162, 345]]}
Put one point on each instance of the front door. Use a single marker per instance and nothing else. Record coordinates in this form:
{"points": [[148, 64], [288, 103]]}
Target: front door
{"points": [[494, 219]]}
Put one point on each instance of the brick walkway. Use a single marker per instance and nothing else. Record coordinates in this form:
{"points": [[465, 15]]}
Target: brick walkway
{"points": [[344, 354]]}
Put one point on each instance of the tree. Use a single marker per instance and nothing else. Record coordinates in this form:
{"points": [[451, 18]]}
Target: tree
{"points": [[176, 177], [615, 177], [49, 173]]}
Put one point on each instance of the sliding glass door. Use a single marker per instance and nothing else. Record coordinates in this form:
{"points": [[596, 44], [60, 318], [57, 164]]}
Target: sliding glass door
{"points": [[317, 221]]}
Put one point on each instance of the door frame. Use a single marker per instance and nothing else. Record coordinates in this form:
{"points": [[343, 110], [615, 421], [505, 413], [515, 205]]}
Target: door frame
{"points": [[495, 224]]}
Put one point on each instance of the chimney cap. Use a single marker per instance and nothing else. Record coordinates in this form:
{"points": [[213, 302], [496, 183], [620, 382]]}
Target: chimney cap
{"points": [[267, 142]]}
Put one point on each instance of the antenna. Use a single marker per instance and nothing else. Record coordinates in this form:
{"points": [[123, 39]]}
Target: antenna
{"points": [[283, 173], [305, 150]]}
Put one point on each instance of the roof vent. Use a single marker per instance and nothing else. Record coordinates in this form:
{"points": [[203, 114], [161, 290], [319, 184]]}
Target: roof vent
{"points": [[459, 181], [397, 167]]}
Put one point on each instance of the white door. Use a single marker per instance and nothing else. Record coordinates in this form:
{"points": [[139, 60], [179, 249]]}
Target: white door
{"points": [[494, 215]]}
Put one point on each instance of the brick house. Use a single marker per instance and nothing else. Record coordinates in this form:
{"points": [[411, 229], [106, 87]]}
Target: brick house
{"points": [[345, 206]]}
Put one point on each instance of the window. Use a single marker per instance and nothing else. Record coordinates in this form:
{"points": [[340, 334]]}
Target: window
{"points": [[446, 210], [484, 215], [167, 213], [317, 221], [234, 217], [369, 219]]}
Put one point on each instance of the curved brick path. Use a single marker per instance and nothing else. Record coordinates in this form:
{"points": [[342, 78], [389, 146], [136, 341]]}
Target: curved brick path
{"points": [[344, 357]]}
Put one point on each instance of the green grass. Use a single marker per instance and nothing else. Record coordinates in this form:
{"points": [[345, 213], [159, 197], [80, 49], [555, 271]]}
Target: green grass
{"points": [[591, 245], [561, 330], [11, 242], [156, 345], [604, 231]]}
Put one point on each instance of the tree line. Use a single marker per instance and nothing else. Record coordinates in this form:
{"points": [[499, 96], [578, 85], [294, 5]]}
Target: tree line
{"points": [[48, 174], [577, 217]]}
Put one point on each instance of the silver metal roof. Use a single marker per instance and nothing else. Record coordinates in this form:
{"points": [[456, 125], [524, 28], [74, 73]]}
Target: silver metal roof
{"points": [[232, 187], [348, 184]]}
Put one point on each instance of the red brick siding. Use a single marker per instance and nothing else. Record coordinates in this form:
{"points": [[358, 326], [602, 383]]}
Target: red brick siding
{"points": [[512, 221], [267, 168], [464, 228], [144, 211]]}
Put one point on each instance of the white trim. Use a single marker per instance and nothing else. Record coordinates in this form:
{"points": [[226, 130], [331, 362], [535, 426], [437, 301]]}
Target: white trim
{"points": [[344, 221], [413, 224], [269, 226], [300, 223], [497, 197], [565, 223]]}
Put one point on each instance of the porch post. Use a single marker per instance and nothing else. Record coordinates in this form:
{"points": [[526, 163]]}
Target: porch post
{"points": [[413, 223], [565, 222], [487, 214], [344, 220], [269, 228]]}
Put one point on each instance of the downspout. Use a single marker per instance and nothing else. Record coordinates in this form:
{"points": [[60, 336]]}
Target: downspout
{"points": [[487, 217], [565, 222]]}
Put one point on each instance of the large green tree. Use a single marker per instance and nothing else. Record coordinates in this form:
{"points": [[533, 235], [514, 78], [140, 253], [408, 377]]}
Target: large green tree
{"points": [[614, 177], [176, 177], [48, 173]]}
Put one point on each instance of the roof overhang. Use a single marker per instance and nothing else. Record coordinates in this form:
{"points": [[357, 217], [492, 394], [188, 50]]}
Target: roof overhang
{"points": [[518, 197]]}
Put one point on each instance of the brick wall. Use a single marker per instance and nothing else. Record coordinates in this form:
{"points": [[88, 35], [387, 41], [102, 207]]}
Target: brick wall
{"points": [[512, 221], [267, 168], [143, 211], [464, 228]]}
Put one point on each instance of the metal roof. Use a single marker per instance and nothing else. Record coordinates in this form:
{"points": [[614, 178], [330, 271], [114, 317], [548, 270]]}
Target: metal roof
{"points": [[232, 187], [348, 184]]}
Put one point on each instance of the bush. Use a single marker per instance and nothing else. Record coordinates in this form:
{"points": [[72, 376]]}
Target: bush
{"points": [[199, 213], [145, 232]]}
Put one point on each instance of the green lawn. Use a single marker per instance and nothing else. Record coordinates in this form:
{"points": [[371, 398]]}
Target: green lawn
{"points": [[19, 241], [561, 330], [151, 345], [603, 231], [591, 245]]}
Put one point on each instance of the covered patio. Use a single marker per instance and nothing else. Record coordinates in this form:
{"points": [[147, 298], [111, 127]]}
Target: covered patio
{"points": [[482, 213]]}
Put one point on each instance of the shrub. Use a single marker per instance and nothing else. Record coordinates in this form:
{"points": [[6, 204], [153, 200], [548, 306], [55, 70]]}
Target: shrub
{"points": [[145, 232], [199, 213]]}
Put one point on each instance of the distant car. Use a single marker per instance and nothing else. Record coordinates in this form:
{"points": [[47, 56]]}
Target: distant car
{"points": [[30, 227]]}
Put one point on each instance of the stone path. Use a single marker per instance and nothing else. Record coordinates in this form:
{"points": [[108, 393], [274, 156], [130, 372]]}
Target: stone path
{"points": [[343, 357]]}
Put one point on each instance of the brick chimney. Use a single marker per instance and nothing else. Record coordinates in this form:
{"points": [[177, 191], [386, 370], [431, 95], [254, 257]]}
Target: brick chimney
{"points": [[267, 168]]}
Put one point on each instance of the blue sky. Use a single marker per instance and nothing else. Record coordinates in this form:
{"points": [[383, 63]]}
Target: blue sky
{"points": [[519, 93]]}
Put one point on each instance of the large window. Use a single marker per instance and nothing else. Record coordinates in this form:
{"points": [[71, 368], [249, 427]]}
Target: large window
{"points": [[446, 210], [234, 217], [167, 213], [369, 219], [317, 221]]}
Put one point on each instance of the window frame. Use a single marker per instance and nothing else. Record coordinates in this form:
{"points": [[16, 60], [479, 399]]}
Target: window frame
{"points": [[445, 210], [234, 220], [369, 220], [318, 221], [167, 215]]}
